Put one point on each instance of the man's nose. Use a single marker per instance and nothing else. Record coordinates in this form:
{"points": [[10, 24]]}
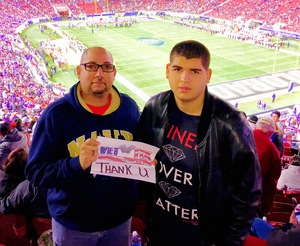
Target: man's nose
{"points": [[185, 76], [99, 72]]}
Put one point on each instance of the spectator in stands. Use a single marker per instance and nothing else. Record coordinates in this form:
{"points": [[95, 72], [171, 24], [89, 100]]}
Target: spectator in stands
{"points": [[252, 121], [276, 117], [16, 193], [270, 162], [26, 129], [277, 139], [285, 235], [86, 209], [208, 171], [26, 123], [11, 139], [289, 179], [18, 122]]}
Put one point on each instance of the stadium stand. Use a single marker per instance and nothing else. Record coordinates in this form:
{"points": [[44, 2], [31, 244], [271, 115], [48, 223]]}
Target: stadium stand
{"points": [[90, 8]]}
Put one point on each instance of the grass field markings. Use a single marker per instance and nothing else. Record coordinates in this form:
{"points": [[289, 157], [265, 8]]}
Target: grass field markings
{"points": [[239, 53], [144, 57], [141, 94], [200, 40]]}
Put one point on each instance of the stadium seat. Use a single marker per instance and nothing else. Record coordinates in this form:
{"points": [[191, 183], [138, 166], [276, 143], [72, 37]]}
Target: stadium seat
{"points": [[140, 210], [282, 207], [294, 196], [41, 225], [280, 196], [254, 241], [139, 226], [8, 236], [278, 218]]}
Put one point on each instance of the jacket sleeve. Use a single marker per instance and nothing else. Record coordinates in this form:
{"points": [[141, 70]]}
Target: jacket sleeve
{"points": [[232, 174], [246, 187], [18, 200]]}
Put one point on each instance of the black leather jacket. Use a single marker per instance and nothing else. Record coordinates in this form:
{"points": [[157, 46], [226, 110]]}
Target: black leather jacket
{"points": [[230, 175]]}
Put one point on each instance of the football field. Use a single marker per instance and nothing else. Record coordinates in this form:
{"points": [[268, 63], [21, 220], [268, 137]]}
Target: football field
{"points": [[141, 53]]}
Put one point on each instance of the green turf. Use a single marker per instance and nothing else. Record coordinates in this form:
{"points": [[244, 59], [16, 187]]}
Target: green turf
{"points": [[144, 65]]}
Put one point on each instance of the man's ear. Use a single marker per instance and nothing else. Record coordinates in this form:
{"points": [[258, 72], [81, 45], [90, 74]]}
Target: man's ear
{"points": [[208, 75], [78, 70], [167, 70]]}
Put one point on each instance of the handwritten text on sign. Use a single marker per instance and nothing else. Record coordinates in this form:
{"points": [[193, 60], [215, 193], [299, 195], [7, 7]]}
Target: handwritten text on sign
{"points": [[125, 159]]}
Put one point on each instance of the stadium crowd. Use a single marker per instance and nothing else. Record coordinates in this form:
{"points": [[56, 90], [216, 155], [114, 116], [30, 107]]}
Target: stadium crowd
{"points": [[268, 12], [26, 88]]}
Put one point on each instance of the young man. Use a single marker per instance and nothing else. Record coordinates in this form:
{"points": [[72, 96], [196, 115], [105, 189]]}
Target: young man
{"points": [[208, 176], [276, 117], [86, 209]]}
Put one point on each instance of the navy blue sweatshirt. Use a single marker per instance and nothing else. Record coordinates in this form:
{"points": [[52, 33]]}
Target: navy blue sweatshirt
{"points": [[77, 199]]}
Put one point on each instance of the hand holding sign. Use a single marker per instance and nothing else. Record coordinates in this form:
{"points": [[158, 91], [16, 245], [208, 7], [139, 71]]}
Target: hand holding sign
{"points": [[88, 153], [125, 159]]}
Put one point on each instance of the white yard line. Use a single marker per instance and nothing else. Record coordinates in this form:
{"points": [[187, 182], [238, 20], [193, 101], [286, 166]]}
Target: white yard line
{"points": [[145, 97]]}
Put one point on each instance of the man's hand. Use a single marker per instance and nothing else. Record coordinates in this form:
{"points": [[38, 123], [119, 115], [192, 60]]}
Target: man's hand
{"points": [[88, 153]]}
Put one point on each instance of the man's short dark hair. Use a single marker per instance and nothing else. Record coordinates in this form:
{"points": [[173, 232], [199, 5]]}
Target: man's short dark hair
{"points": [[277, 113], [192, 49]]}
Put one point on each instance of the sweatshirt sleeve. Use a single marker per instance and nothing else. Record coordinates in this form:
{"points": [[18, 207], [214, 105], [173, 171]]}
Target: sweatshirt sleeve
{"points": [[49, 162]]}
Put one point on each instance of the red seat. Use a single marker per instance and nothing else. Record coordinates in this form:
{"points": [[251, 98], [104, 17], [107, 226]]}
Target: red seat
{"points": [[294, 195], [140, 210], [41, 224], [7, 232], [287, 149], [282, 207], [281, 197], [278, 218], [255, 241], [139, 226]]}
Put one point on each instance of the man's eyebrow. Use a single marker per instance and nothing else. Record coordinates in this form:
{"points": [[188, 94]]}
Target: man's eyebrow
{"points": [[192, 69]]}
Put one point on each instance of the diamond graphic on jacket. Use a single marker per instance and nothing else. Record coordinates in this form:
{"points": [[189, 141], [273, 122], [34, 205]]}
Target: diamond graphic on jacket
{"points": [[174, 153], [169, 190]]}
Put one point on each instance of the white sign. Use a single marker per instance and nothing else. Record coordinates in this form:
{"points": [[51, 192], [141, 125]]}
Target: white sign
{"points": [[125, 159]]}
